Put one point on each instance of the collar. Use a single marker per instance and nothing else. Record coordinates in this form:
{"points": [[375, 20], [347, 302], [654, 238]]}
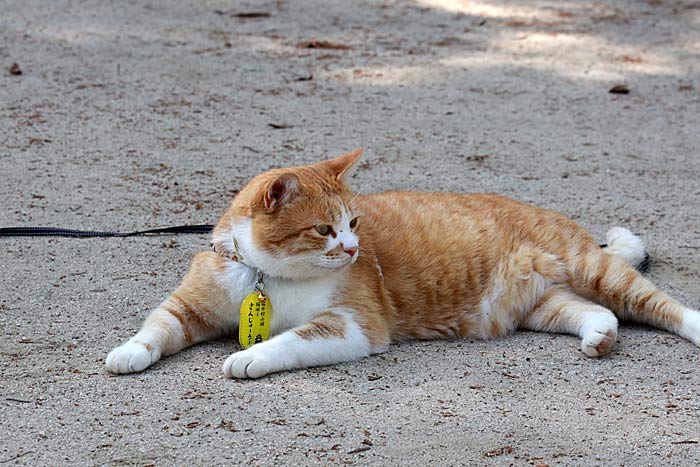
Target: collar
{"points": [[237, 257]]}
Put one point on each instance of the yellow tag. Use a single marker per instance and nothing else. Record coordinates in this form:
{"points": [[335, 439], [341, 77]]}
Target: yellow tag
{"points": [[254, 325]]}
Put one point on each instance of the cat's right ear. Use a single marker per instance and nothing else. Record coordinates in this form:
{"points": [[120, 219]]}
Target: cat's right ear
{"points": [[280, 191], [341, 166]]}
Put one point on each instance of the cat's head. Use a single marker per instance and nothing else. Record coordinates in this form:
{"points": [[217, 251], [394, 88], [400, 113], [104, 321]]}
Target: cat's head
{"points": [[296, 222]]}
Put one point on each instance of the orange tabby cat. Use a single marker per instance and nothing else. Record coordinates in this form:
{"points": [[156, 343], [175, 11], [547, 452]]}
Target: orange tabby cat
{"points": [[347, 276]]}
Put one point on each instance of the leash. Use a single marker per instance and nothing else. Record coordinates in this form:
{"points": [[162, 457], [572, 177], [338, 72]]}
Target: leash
{"points": [[58, 232], [179, 229]]}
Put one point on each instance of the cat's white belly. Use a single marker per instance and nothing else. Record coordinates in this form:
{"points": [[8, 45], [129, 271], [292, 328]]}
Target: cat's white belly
{"points": [[293, 302]]}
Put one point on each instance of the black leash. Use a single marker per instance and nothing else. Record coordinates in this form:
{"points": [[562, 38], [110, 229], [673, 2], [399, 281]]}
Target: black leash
{"points": [[56, 232]]}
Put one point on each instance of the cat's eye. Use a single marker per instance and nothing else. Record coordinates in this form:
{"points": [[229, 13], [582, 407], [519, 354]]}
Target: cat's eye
{"points": [[353, 223], [323, 229]]}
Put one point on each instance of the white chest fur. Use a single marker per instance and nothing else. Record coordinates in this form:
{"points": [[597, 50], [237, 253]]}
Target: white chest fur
{"points": [[294, 302]]}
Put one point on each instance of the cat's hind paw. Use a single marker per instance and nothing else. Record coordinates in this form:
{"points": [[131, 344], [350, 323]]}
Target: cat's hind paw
{"points": [[250, 363], [598, 343], [132, 357]]}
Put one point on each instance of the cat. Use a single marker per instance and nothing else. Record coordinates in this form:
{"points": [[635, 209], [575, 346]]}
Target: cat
{"points": [[347, 275]]}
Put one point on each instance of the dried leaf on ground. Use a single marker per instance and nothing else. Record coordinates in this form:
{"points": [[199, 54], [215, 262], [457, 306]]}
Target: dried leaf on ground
{"points": [[228, 426], [477, 158], [194, 395], [316, 44], [251, 14], [279, 126], [619, 89], [360, 449], [631, 59], [499, 451]]}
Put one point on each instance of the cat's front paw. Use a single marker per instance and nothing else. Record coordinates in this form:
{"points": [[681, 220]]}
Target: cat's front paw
{"points": [[690, 329], [132, 357], [250, 363]]}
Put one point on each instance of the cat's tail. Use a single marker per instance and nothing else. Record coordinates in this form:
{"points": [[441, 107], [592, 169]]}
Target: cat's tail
{"points": [[608, 276], [623, 243]]}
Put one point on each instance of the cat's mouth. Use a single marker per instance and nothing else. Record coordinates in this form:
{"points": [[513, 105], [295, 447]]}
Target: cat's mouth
{"points": [[333, 260]]}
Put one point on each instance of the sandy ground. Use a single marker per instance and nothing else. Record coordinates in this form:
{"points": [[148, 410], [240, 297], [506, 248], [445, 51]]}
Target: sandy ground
{"points": [[133, 115]]}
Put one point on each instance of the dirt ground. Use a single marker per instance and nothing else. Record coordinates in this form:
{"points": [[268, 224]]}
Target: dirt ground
{"points": [[130, 115]]}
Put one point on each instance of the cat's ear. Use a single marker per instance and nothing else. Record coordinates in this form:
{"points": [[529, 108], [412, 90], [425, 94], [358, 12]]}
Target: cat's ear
{"points": [[280, 191], [341, 165]]}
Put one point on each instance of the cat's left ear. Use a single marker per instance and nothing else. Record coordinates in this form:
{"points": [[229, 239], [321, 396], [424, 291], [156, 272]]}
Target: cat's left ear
{"points": [[341, 165], [280, 191]]}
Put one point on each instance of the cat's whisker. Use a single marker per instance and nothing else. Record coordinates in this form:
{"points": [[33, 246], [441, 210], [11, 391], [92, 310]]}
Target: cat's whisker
{"points": [[359, 192]]}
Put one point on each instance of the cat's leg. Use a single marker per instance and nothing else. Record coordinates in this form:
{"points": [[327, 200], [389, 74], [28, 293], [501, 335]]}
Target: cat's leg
{"points": [[612, 282], [331, 337], [562, 311], [199, 309]]}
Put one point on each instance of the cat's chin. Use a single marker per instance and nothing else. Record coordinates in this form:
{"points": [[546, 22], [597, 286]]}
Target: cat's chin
{"points": [[333, 266], [335, 262]]}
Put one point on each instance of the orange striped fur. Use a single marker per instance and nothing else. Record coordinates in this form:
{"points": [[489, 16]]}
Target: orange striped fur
{"points": [[430, 265]]}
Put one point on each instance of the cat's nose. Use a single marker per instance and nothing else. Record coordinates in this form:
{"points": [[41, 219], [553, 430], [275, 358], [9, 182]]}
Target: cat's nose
{"points": [[350, 250]]}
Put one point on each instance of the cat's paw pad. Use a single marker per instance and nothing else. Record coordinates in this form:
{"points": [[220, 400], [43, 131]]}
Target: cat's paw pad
{"points": [[132, 357], [250, 363], [598, 343]]}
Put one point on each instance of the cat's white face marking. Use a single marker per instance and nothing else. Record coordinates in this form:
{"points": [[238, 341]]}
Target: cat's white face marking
{"points": [[344, 248]]}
